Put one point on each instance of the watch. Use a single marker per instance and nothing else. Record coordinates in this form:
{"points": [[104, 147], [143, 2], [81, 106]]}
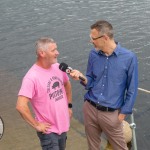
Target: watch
{"points": [[69, 105]]}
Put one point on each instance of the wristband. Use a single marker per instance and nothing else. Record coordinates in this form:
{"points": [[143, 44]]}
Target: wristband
{"points": [[69, 105]]}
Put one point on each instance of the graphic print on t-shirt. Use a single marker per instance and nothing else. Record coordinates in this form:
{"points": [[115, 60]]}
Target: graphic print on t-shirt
{"points": [[54, 88], [55, 85]]}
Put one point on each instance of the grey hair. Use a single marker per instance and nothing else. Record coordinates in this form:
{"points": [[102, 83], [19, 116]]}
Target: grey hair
{"points": [[42, 44], [103, 27]]}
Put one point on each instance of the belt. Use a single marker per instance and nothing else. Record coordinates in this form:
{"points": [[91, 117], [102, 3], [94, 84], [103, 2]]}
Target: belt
{"points": [[100, 107]]}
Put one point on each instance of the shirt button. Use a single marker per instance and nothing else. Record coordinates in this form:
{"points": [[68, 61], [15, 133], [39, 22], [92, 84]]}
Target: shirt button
{"points": [[106, 67], [103, 84], [101, 93]]}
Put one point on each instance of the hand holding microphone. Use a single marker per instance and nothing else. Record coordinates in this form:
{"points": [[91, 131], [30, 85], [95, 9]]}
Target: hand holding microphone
{"points": [[75, 74]]}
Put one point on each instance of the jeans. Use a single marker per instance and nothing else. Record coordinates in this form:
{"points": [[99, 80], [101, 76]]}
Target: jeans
{"points": [[52, 141]]}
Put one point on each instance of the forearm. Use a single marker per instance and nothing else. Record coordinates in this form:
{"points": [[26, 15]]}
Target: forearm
{"points": [[23, 108], [68, 91], [27, 116], [69, 97]]}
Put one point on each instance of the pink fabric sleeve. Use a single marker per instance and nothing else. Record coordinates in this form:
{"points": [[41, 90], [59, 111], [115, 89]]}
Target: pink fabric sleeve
{"points": [[27, 88]]}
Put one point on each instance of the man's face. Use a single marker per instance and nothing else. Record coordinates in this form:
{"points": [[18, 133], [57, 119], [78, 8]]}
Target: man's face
{"points": [[96, 39], [51, 54]]}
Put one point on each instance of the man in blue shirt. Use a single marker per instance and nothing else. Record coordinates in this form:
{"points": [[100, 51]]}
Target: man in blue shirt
{"points": [[112, 82]]}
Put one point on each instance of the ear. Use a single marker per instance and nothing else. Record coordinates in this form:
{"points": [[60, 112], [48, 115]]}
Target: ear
{"points": [[106, 37], [41, 53]]}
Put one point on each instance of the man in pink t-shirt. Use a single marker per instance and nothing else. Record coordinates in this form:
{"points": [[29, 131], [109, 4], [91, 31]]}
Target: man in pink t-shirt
{"points": [[48, 89]]}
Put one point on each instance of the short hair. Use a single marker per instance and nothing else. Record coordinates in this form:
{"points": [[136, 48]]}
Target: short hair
{"points": [[103, 27], [42, 44]]}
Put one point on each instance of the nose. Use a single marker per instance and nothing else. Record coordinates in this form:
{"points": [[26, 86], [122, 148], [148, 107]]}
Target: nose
{"points": [[91, 41], [57, 53]]}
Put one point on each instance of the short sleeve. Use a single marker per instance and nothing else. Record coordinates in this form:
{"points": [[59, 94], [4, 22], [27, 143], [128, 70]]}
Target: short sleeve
{"points": [[27, 88], [65, 77]]}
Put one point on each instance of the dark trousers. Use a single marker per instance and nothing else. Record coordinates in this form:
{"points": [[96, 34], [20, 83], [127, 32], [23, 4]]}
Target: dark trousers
{"points": [[52, 141]]}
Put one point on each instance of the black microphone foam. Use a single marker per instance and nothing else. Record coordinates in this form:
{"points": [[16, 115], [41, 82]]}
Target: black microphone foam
{"points": [[64, 67]]}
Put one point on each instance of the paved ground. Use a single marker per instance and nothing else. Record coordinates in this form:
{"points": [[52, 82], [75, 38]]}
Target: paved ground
{"points": [[76, 137]]}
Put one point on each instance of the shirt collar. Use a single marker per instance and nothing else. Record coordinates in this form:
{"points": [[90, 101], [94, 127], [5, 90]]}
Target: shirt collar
{"points": [[117, 49], [115, 52]]}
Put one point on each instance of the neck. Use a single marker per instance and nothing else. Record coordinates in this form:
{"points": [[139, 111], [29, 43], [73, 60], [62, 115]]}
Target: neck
{"points": [[43, 64], [110, 48]]}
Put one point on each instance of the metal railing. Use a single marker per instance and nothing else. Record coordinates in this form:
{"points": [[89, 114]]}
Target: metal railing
{"points": [[133, 125]]}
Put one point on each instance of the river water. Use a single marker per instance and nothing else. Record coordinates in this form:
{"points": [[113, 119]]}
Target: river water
{"points": [[68, 22]]}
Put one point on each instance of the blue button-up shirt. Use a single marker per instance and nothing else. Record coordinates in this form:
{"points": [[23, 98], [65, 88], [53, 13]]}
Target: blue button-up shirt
{"points": [[113, 80]]}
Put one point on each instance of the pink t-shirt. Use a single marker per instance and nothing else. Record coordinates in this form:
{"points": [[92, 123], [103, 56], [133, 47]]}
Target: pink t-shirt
{"points": [[45, 89]]}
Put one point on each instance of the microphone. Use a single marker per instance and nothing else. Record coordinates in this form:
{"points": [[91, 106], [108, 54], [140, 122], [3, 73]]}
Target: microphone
{"points": [[64, 67]]}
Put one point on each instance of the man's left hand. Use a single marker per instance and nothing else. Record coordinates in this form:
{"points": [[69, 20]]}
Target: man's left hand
{"points": [[121, 117]]}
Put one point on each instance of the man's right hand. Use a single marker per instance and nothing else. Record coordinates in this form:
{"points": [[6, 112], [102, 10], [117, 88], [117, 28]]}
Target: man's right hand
{"points": [[42, 127], [75, 74]]}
